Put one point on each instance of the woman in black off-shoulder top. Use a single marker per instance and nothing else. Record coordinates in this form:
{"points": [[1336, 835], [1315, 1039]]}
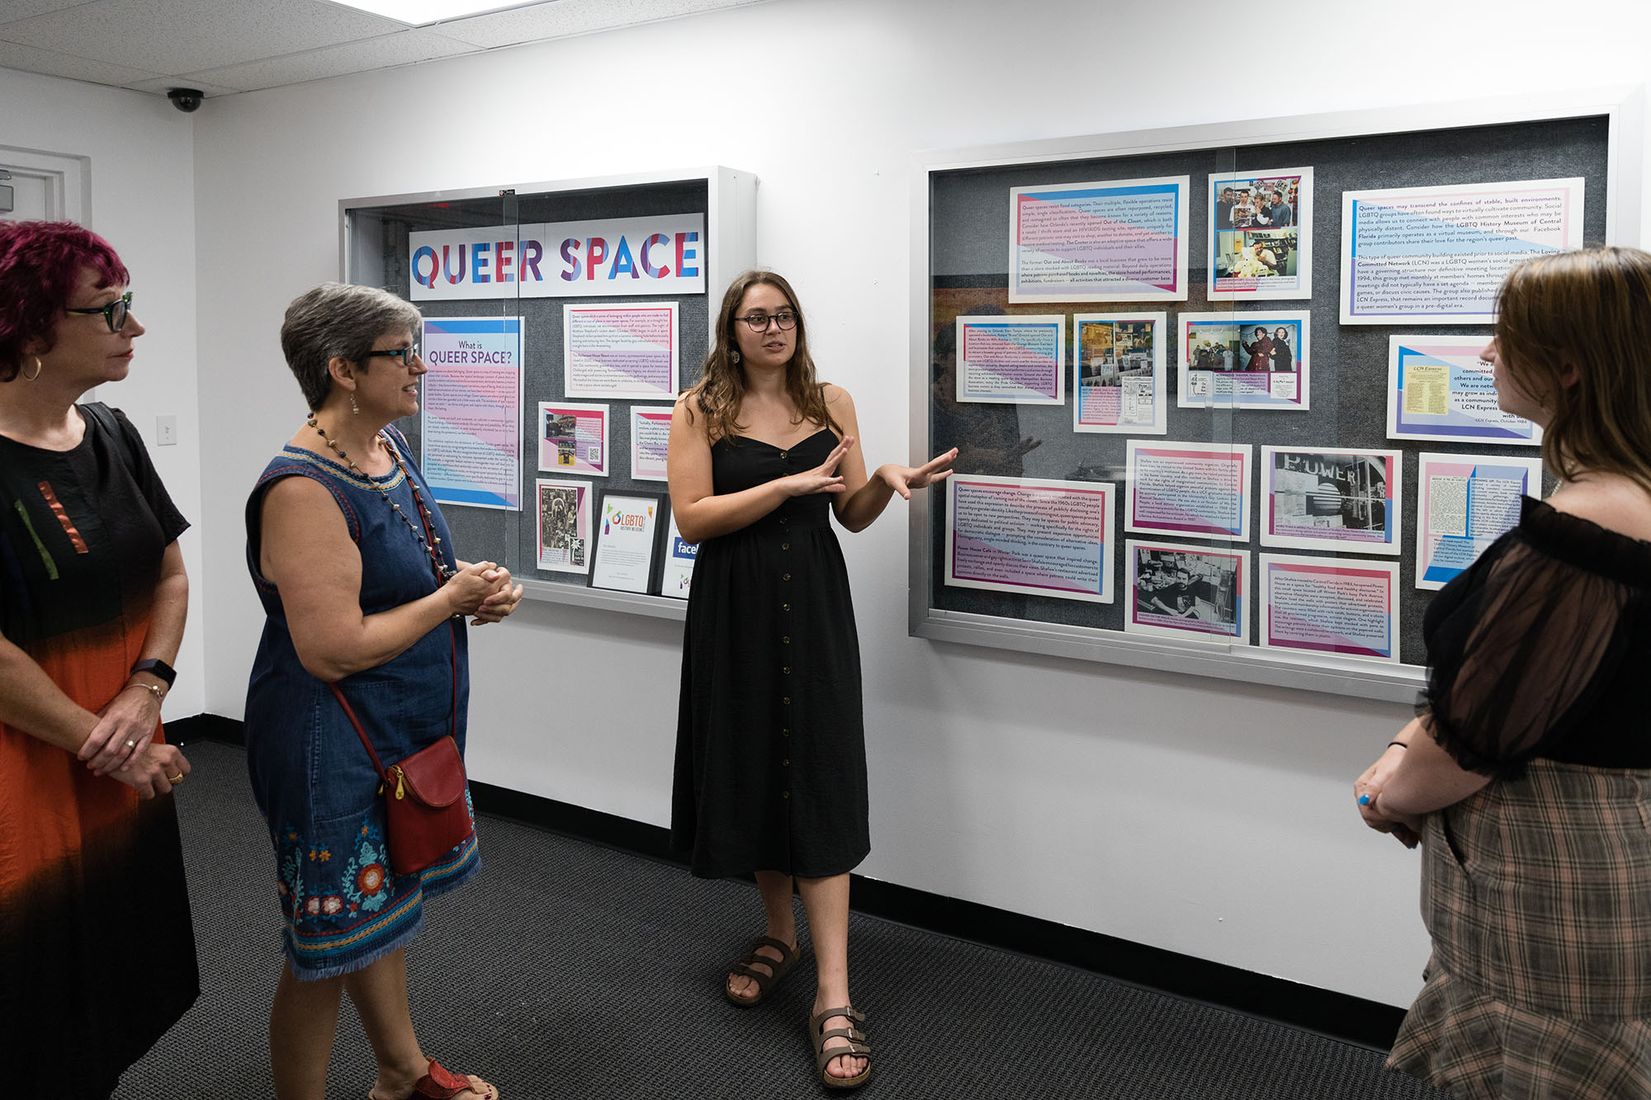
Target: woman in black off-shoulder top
{"points": [[1527, 771]]}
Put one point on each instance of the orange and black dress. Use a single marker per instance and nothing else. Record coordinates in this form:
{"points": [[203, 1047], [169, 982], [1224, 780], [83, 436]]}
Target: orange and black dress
{"points": [[97, 956]]}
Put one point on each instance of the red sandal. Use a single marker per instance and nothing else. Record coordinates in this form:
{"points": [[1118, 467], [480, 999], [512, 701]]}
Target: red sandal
{"points": [[441, 1083]]}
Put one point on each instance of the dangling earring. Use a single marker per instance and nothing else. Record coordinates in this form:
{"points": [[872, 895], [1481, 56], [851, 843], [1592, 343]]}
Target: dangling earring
{"points": [[734, 356], [354, 408], [36, 374]]}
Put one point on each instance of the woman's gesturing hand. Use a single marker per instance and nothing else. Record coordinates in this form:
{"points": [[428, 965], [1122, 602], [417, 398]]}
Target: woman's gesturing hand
{"points": [[823, 478], [903, 479], [470, 587]]}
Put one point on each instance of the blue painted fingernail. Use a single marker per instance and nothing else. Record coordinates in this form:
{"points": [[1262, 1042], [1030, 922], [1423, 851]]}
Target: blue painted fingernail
{"points": [[1364, 800]]}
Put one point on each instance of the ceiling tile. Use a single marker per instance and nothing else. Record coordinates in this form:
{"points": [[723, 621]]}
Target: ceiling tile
{"points": [[404, 48], [160, 84], [13, 10], [30, 59], [569, 17], [181, 36]]}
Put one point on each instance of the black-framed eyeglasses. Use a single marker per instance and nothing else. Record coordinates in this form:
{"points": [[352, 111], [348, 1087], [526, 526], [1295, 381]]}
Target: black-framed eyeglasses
{"points": [[404, 355], [114, 314], [786, 320]]}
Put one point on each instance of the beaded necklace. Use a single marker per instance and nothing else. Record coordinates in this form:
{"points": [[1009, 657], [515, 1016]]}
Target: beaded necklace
{"points": [[443, 573]]}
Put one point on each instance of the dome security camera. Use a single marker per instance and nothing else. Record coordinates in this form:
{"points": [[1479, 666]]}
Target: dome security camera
{"points": [[187, 100]]}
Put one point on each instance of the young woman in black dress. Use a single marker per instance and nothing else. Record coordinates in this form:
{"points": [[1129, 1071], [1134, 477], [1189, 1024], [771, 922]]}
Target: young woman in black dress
{"points": [[770, 760]]}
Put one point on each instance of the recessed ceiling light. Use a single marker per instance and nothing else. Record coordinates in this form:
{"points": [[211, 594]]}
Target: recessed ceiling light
{"points": [[422, 13]]}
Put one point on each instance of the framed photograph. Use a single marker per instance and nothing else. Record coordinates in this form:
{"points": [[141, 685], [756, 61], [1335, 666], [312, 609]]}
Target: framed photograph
{"points": [[563, 525], [573, 438], [1261, 235], [676, 575], [628, 531], [1257, 360], [1196, 593], [1341, 499], [1118, 373]]}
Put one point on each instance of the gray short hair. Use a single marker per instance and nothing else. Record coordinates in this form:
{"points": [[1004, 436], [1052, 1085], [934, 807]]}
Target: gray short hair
{"points": [[343, 320]]}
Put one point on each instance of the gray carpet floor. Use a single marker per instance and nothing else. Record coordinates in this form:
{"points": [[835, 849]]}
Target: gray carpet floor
{"points": [[590, 974]]}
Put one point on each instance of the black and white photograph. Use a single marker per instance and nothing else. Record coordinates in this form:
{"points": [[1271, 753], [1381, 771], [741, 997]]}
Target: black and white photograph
{"points": [[1331, 500], [1188, 591]]}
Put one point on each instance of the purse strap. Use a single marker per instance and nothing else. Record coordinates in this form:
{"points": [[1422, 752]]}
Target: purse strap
{"points": [[453, 657]]}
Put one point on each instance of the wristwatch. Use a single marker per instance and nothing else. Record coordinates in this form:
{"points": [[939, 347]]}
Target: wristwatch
{"points": [[157, 668]]}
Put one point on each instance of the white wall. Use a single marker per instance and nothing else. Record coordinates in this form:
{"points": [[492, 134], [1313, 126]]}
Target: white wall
{"points": [[1200, 816], [141, 154]]}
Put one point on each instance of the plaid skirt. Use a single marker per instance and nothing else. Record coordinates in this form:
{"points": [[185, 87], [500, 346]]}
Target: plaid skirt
{"points": [[1537, 893]]}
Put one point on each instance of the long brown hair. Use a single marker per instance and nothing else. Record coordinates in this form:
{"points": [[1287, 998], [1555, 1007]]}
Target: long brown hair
{"points": [[1573, 330], [721, 386]]}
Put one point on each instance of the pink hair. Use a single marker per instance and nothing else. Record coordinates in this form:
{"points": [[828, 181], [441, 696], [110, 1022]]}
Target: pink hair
{"points": [[40, 265]]}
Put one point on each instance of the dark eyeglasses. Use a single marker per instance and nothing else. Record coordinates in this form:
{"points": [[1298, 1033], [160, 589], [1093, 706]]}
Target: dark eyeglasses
{"points": [[404, 355], [785, 319], [114, 314]]}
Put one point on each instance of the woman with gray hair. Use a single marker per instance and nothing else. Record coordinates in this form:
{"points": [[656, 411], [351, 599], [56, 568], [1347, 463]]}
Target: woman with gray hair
{"points": [[363, 639]]}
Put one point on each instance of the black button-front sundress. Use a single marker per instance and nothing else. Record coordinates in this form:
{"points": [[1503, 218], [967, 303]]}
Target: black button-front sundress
{"points": [[770, 754]]}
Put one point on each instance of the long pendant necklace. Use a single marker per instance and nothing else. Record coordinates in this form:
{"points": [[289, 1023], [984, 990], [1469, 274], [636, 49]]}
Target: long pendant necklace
{"points": [[443, 573]]}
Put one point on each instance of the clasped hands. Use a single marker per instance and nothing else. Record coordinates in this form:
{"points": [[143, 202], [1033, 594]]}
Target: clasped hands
{"points": [[121, 745], [482, 590], [1367, 790], [824, 478]]}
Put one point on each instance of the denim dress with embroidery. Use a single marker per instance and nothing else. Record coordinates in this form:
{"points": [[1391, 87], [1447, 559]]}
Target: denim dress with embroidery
{"points": [[343, 907]]}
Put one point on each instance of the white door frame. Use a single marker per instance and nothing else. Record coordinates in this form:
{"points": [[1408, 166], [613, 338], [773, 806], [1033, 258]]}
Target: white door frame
{"points": [[67, 179]]}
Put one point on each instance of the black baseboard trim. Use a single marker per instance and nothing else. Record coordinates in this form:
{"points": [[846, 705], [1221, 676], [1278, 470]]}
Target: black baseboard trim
{"points": [[205, 727], [1336, 1015]]}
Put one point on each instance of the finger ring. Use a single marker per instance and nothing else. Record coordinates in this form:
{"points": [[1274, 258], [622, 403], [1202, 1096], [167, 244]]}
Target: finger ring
{"points": [[131, 744], [175, 779]]}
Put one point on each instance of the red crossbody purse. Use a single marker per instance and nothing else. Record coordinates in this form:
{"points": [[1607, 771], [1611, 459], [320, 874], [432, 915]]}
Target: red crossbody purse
{"points": [[426, 813]]}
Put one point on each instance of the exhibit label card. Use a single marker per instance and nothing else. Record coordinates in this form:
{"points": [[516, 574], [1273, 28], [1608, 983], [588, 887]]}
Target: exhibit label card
{"points": [[659, 254], [677, 576], [1194, 593], [1118, 372], [650, 439], [1329, 605], [1437, 255], [620, 351], [1198, 489], [625, 540], [1012, 360], [1112, 241], [1257, 360], [563, 528], [1438, 388], [1465, 503], [573, 438], [1261, 235], [1331, 499], [471, 414], [1029, 535]]}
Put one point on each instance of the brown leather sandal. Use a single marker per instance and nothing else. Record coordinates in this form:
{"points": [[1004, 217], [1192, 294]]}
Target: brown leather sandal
{"points": [[858, 1046], [747, 967]]}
